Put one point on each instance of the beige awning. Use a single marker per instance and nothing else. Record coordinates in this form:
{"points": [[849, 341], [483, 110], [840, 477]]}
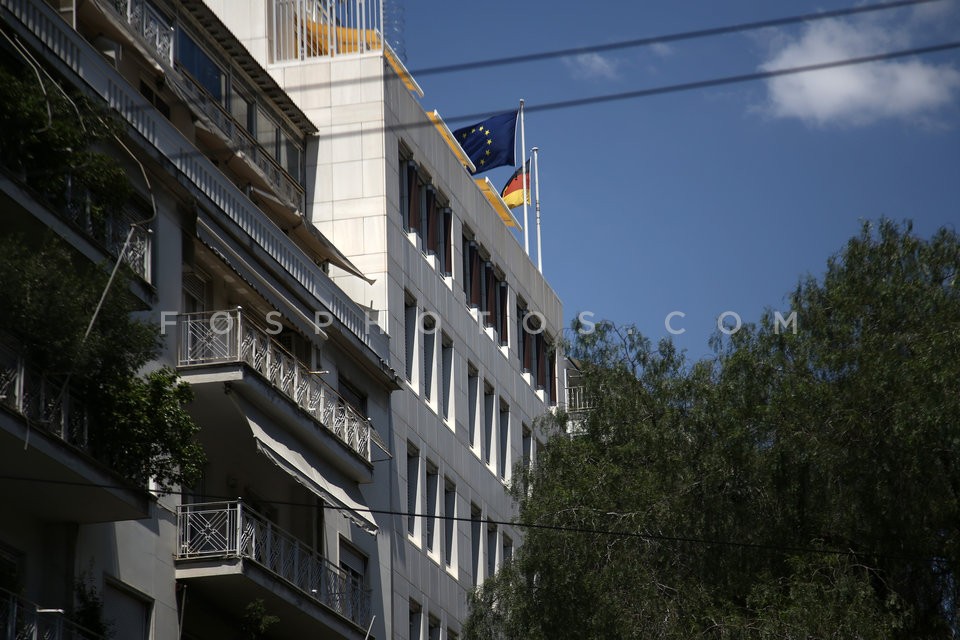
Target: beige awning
{"points": [[283, 450]]}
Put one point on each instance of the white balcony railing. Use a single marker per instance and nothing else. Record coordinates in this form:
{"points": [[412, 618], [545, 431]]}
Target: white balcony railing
{"points": [[578, 399], [232, 530], [231, 336], [23, 620], [40, 400], [151, 26], [301, 29]]}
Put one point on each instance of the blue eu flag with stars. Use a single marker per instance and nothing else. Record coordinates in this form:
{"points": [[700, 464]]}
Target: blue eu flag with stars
{"points": [[490, 143]]}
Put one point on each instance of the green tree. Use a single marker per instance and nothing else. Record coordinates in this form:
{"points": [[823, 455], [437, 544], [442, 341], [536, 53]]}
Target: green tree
{"points": [[795, 485], [138, 424]]}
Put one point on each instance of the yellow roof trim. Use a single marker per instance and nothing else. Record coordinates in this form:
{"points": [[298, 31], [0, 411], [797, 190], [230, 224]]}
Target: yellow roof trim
{"points": [[401, 70], [493, 197], [451, 142]]}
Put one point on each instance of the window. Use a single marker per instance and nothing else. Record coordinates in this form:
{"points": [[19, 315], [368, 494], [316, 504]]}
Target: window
{"points": [[129, 610], [201, 67], [527, 447], [449, 523], [433, 628], [429, 327], [476, 530], [489, 417], [446, 375], [503, 465], [473, 398], [445, 242], [413, 487], [472, 283], [243, 108], [416, 616], [491, 549], [507, 549], [410, 187], [502, 323], [410, 334], [433, 495], [451, 634], [354, 565], [352, 395]]}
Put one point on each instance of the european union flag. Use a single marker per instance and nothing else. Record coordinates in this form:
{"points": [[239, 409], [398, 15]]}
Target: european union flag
{"points": [[490, 143]]}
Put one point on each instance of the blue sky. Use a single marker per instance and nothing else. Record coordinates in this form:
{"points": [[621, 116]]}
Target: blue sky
{"points": [[717, 199]]}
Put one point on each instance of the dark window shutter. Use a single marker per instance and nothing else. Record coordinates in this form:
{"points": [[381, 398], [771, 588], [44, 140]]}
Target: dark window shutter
{"points": [[446, 243], [413, 190], [433, 229]]}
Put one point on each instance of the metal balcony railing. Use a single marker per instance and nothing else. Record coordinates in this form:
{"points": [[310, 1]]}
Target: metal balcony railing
{"points": [[578, 399], [300, 29], [24, 620], [233, 530], [231, 336], [40, 399], [110, 231], [154, 29]]}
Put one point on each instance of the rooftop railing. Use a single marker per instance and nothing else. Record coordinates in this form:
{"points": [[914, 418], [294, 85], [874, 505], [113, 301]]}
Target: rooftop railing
{"points": [[301, 29], [21, 619], [232, 336], [232, 530]]}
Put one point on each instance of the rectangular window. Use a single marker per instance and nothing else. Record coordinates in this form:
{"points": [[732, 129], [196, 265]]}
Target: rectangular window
{"points": [[354, 565], [445, 242], [541, 360], [430, 222], [503, 462], [446, 375], [527, 447], [416, 616], [429, 355], [433, 495], [449, 523], [413, 487], [291, 155], [552, 374], [410, 334], [128, 610], [507, 549], [473, 398], [501, 316], [201, 67], [491, 549], [489, 418], [414, 187], [243, 109], [476, 533], [433, 628]]}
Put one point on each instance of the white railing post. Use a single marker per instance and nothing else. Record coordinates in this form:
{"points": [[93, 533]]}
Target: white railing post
{"points": [[239, 526]]}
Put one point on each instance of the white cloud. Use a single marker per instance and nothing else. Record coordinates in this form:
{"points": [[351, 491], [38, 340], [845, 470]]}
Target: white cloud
{"points": [[592, 66], [909, 89], [661, 50]]}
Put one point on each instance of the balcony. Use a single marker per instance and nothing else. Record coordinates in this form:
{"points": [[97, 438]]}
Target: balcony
{"points": [[225, 337], [301, 29], [238, 551], [23, 620], [578, 400], [43, 441]]}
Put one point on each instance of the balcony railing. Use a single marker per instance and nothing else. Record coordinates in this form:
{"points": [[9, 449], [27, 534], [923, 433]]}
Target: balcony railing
{"points": [[40, 400], [155, 30], [232, 336], [301, 29], [233, 530], [110, 231], [578, 399], [23, 620]]}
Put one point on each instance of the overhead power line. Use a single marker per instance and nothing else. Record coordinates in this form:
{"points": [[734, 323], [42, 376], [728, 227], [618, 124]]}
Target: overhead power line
{"points": [[664, 39], [648, 537]]}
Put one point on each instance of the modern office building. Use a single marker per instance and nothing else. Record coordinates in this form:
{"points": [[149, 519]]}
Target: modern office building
{"points": [[472, 321], [368, 343]]}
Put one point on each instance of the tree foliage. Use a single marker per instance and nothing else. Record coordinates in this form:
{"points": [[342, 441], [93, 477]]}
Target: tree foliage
{"points": [[795, 485], [138, 425]]}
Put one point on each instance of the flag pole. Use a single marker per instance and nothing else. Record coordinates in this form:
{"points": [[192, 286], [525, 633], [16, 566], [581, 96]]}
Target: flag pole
{"points": [[536, 195], [523, 163]]}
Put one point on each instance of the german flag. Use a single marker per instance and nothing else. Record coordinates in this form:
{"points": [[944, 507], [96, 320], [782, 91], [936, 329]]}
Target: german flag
{"points": [[512, 193]]}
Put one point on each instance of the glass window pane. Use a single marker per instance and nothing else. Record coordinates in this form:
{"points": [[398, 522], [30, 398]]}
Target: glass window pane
{"points": [[198, 64]]}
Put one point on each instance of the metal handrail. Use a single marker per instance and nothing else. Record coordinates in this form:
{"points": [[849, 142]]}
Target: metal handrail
{"points": [[302, 29], [234, 530], [231, 336], [578, 399], [41, 399], [21, 619]]}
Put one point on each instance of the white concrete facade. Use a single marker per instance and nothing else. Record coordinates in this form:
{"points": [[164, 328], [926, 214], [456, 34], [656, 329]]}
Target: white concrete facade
{"points": [[366, 121]]}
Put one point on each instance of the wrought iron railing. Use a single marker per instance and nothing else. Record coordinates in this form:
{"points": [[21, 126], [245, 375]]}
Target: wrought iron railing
{"points": [[41, 400], [232, 336], [232, 530], [152, 27], [301, 29], [24, 620], [110, 231]]}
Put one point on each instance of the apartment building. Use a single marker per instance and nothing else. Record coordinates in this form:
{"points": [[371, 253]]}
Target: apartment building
{"points": [[473, 323], [292, 381]]}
